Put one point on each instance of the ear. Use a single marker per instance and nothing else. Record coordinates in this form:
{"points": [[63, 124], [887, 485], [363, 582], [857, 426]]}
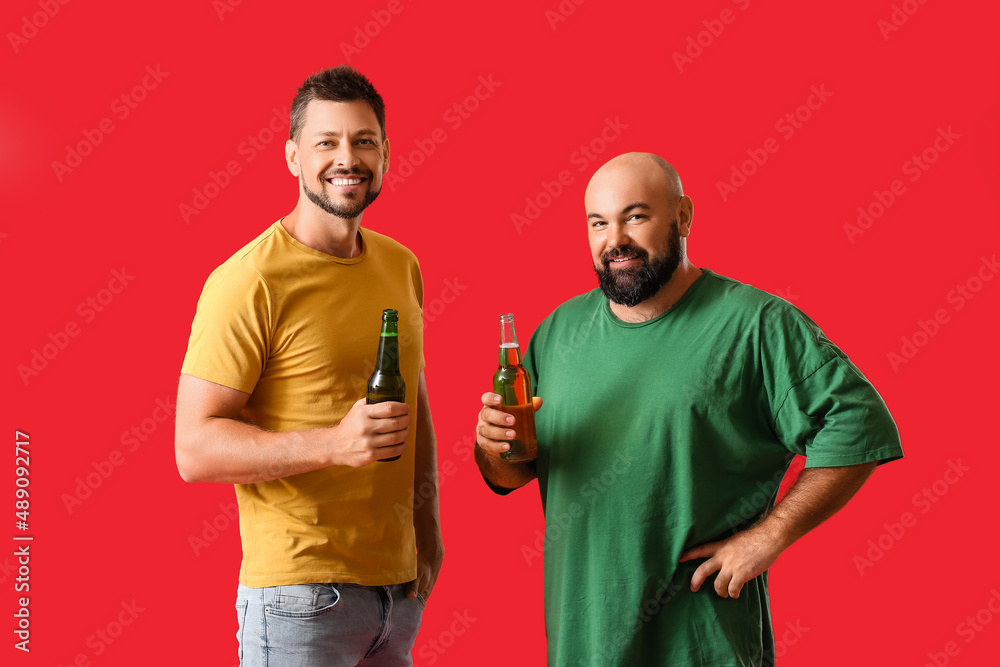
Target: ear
{"points": [[292, 158], [685, 215], [385, 155]]}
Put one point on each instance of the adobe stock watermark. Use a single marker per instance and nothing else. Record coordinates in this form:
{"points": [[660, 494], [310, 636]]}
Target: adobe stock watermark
{"points": [[104, 467], [365, 33], [786, 126], [247, 151], [581, 158], [923, 501], [785, 638], [787, 293], [900, 14], [223, 7], [957, 298], [32, 23], [973, 625], [435, 648], [559, 524], [433, 309], [450, 292], [561, 12], [404, 164], [913, 168], [121, 108], [647, 610], [426, 489], [698, 42], [706, 382], [211, 529], [56, 342], [8, 568], [101, 639]]}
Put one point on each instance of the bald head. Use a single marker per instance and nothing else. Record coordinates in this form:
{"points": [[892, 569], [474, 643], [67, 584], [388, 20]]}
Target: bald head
{"points": [[650, 168]]}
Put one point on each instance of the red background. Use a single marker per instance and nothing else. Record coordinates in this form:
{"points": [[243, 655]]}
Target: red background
{"points": [[223, 69]]}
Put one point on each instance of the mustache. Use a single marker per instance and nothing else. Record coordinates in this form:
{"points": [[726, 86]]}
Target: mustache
{"points": [[623, 251], [343, 172]]}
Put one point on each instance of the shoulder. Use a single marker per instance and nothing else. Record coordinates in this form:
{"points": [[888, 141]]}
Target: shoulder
{"points": [[730, 293], [386, 245], [741, 300], [774, 318], [245, 270]]}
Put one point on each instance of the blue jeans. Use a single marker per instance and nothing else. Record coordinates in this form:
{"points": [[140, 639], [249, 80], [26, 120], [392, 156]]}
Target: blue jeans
{"points": [[327, 625]]}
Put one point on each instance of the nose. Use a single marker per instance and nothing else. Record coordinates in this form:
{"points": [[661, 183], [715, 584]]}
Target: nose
{"points": [[617, 235], [345, 156]]}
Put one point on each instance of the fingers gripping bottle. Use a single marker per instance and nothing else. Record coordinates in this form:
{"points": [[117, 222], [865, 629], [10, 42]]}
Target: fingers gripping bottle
{"points": [[386, 383], [513, 384]]}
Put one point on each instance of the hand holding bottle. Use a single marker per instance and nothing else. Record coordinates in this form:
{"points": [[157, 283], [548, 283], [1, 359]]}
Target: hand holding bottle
{"points": [[512, 384], [370, 432], [496, 427]]}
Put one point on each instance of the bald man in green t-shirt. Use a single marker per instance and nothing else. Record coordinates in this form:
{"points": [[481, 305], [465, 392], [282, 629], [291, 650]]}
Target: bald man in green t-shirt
{"points": [[662, 484]]}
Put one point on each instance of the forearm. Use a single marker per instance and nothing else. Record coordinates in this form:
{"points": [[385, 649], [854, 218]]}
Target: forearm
{"points": [[503, 474], [426, 515], [226, 450], [816, 495]]}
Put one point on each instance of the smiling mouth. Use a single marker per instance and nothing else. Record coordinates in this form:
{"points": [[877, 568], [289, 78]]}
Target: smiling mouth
{"points": [[344, 181]]}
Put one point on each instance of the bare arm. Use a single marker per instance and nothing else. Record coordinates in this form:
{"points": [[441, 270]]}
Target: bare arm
{"points": [[817, 494], [213, 444], [426, 518], [494, 430]]}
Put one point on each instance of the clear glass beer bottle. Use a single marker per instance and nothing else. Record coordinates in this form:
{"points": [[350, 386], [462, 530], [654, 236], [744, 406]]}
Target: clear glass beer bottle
{"points": [[386, 382], [513, 384]]}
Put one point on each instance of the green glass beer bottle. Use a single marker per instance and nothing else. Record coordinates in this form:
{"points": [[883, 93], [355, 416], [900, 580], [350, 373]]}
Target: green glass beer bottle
{"points": [[513, 384], [386, 383]]}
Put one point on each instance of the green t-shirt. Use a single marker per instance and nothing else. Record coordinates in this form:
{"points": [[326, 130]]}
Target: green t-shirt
{"points": [[659, 436]]}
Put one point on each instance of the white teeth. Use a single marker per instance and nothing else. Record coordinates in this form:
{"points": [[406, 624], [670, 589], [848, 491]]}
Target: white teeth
{"points": [[346, 181]]}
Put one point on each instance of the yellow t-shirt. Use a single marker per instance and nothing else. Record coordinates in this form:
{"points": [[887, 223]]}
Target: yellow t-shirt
{"points": [[298, 330]]}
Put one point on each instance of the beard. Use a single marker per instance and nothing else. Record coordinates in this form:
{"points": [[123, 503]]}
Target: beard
{"points": [[630, 287], [346, 211]]}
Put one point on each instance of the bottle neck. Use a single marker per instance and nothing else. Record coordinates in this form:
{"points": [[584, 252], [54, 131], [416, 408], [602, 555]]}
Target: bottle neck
{"points": [[387, 360], [510, 352]]}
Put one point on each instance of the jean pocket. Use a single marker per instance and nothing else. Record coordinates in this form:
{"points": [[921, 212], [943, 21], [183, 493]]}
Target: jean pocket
{"points": [[423, 600], [241, 618], [302, 600]]}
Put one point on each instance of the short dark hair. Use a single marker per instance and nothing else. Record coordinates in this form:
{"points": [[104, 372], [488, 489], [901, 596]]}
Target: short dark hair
{"points": [[342, 83]]}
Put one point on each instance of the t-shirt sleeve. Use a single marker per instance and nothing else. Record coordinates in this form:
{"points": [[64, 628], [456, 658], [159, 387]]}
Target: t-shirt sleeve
{"points": [[230, 336], [822, 405], [417, 280]]}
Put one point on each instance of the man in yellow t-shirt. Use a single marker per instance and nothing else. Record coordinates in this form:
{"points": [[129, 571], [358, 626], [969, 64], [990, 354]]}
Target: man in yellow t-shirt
{"points": [[338, 560]]}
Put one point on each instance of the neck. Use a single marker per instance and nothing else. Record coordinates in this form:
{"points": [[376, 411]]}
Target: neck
{"points": [[312, 226], [663, 300]]}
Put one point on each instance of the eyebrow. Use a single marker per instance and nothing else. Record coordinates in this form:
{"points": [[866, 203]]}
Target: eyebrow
{"points": [[637, 204], [333, 133], [625, 210]]}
